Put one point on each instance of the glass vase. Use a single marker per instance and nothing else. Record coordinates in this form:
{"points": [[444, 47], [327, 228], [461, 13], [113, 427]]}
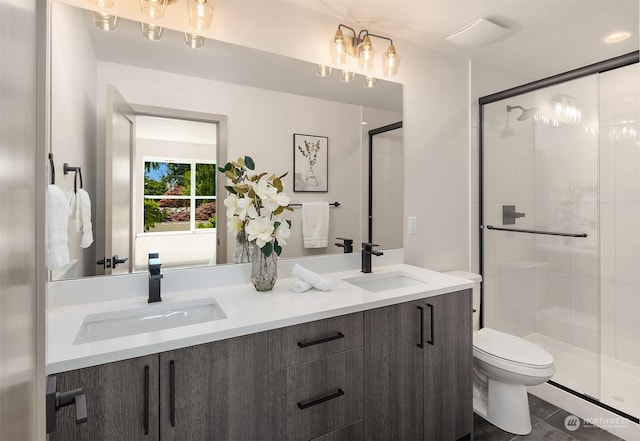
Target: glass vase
{"points": [[264, 270], [243, 250]]}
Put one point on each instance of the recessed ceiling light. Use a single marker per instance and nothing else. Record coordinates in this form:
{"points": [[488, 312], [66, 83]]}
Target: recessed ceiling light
{"points": [[617, 37]]}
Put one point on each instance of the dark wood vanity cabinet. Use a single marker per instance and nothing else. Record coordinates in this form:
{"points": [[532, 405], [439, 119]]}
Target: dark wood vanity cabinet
{"points": [[401, 372], [122, 402], [418, 369], [215, 391]]}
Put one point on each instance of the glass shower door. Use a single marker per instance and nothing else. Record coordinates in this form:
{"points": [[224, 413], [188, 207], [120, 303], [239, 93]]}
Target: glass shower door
{"points": [[540, 216]]}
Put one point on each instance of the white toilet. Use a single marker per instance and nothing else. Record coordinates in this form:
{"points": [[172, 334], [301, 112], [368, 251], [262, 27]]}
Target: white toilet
{"points": [[503, 366]]}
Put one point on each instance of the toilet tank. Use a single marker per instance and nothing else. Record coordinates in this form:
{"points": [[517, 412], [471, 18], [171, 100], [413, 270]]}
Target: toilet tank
{"points": [[476, 278]]}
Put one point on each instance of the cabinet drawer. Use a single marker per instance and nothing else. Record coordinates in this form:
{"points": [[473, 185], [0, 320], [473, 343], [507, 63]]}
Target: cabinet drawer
{"points": [[317, 397], [353, 432], [310, 341]]}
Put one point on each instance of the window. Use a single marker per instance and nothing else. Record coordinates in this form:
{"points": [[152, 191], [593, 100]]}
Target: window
{"points": [[179, 195]]}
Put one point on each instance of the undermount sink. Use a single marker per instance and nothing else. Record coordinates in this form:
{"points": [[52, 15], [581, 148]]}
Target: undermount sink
{"points": [[384, 281], [156, 317]]}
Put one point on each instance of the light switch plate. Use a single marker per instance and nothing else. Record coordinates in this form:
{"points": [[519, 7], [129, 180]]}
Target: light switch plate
{"points": [[413, 225]]}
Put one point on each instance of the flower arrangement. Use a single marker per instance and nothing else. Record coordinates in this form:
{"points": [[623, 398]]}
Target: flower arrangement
{"points": [[256, 205]]}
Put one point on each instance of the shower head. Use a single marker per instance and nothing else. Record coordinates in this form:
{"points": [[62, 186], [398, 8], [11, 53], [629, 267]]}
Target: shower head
{"points": [[526, 113]]}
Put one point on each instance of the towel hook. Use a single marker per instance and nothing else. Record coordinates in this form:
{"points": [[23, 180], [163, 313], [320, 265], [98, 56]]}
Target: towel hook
{"points": [[75, 180], [53, 168]]}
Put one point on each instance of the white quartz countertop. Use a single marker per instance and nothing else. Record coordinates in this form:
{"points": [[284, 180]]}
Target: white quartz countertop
{"points": [[247, 311]]}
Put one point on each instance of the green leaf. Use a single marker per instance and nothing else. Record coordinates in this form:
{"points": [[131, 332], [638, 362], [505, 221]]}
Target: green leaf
{"points": [[248, 162], [221, 169], [289, 221], [230, 189], [282, 176], [277, 183], [267, 249], [277, 248], [228, 166]]}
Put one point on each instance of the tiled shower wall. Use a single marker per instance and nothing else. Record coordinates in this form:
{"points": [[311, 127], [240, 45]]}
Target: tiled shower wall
{"points": [[620, 213]]}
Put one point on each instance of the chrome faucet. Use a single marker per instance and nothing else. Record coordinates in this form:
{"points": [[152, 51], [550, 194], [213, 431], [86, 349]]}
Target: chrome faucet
{"points": [[367, 251], [155, 274]]}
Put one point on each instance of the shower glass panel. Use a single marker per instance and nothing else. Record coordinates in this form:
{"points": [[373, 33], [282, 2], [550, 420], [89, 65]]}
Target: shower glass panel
{"points": [[540, 175]]}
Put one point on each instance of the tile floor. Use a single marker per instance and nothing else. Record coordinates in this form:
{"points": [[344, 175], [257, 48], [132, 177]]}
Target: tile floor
{"points": [[547, 423]]}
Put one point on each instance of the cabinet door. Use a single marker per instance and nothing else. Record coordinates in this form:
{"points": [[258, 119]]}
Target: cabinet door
{"points": [[393, 370], [448, 389], [122, 402], [215, 391]]}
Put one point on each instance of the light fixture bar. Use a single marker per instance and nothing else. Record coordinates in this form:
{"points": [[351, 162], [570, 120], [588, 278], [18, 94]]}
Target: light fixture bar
{"points": [[359, 45]]}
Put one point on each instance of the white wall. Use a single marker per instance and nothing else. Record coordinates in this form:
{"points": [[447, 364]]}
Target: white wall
{"points": [[261, 123], [73, 125]]}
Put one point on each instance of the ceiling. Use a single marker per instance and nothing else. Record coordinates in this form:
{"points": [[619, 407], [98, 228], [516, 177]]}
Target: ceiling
{"points": [[545, 37]]}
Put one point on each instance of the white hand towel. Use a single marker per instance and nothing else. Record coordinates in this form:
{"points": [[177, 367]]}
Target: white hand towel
{"points": [[315, 224], [309, 276], [83, 204], [58, 225], [301, 286], [80, 211]]}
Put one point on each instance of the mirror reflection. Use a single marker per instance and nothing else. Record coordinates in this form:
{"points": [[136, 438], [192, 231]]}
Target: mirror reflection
{"points": [[147, 121]]}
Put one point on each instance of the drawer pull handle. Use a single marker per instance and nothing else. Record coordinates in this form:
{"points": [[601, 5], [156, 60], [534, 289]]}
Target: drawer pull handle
{"points": [[431, 340], [421, 335], [336, 394], [146, 400], [305, 344], [172, 393]]}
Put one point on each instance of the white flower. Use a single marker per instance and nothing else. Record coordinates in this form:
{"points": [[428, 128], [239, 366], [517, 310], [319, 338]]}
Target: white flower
{"points": [[269, 195], [260, 230], [283, 232], [234, 226], [241, 207]]}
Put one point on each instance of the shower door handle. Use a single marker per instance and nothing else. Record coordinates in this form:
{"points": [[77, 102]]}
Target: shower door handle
{"points": [[509, 214]]}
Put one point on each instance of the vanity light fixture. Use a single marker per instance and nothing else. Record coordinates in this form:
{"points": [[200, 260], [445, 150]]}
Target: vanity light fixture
{"points": [[151, 32], [567, 109], [200, 14], [105, 22], [323, 70], [153, 9], [104, 4], [346, 75], [359, 45], [193, 41], [370, 82]]}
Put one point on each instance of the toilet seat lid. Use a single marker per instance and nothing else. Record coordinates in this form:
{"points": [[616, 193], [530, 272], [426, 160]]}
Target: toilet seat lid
{"points": [[511, 348]]}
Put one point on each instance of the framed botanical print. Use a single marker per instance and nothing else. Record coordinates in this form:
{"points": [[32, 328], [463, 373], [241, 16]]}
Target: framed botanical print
{"points": [[310, 162]]}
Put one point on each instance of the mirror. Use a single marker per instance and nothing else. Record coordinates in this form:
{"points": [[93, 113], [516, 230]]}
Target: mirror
{"points": [[257, 102]]}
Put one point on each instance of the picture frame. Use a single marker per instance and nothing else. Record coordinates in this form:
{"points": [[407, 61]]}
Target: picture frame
{"points": [[310, 163]]}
